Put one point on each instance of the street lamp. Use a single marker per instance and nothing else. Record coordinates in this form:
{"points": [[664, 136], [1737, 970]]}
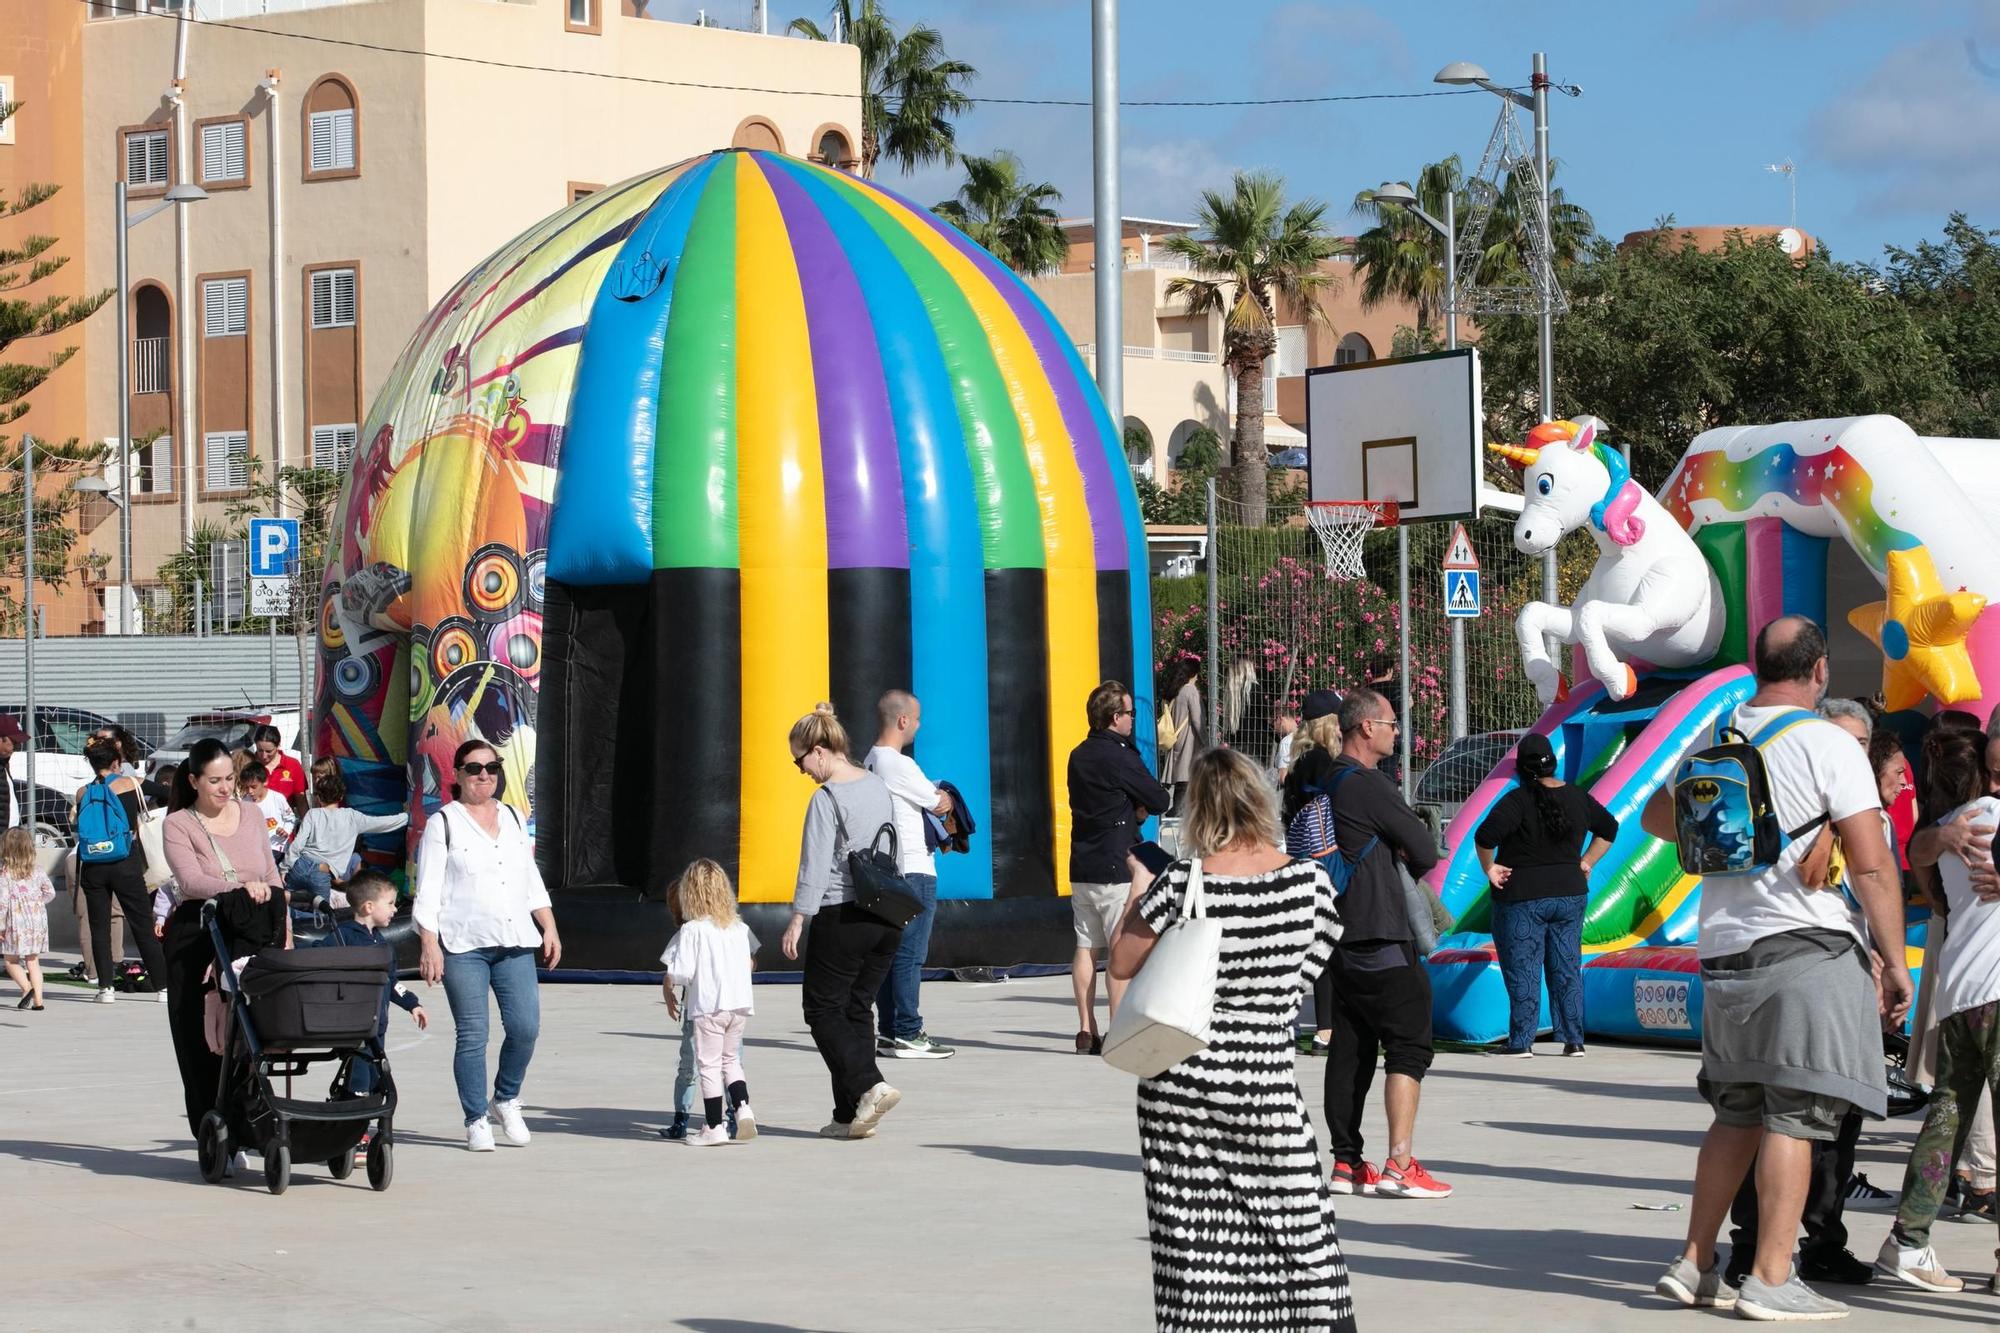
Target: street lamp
{"points": [[184, 193]]}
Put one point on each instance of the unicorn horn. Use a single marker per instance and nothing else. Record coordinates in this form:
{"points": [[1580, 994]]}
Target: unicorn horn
{"points": [[1518, 455]]}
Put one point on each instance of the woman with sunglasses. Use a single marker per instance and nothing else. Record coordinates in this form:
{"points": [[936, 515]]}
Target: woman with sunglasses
{"points": [[849, 951], [481, 912]]}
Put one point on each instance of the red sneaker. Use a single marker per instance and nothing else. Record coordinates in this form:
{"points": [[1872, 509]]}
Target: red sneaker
{"points": [[1348, 1180], [1410, 1182]]}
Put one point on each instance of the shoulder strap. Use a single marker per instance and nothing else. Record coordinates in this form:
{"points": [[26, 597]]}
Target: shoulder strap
{"points": [[1779, 725], [839, 822], [1191, 901], [445, 819]]}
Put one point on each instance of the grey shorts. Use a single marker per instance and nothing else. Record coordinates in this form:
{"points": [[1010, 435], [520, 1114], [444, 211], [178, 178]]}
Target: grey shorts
{"points": [[1796, 1115], [1095, 909]]}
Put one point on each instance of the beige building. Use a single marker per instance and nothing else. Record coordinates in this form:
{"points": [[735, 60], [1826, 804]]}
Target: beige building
{"points": [[359, 157], [1174, 378]]}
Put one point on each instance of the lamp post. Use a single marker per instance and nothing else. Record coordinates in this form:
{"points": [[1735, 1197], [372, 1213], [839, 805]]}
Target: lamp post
{"points": [[184, 193]]}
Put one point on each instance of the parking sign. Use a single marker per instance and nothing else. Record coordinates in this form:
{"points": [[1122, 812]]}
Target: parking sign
{"points": [[274, 556]]}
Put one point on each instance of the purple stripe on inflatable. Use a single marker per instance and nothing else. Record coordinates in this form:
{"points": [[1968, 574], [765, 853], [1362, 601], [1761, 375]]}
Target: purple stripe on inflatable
{"points": [[865, 526], [1107, 524]]}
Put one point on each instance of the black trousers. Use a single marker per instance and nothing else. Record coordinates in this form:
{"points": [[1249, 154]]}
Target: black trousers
{"points": [[188, 955], [848, 953], [1826, 1200], [1381, 1000], [126, 881]]}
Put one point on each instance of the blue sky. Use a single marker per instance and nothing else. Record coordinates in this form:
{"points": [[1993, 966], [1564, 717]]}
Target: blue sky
{"points": [[1890, 110]]}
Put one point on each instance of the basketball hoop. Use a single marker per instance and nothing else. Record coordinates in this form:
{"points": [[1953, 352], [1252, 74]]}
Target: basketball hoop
{"points": [[1343, 527]]}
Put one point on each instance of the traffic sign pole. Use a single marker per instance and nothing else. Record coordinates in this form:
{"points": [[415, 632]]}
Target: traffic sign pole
{"points": [[1458, 555], [1457, 678]]}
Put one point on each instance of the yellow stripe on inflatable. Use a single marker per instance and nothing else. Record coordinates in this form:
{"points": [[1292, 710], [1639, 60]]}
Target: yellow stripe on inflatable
{"points": [[781, 538], [1071, 559]]}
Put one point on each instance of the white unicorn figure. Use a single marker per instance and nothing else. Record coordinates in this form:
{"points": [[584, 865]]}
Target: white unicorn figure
{"points": [[1652, 595]]}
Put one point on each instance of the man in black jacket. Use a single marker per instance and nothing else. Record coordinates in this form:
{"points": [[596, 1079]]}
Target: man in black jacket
{"points": [[1110, 795], [1381, 993]]}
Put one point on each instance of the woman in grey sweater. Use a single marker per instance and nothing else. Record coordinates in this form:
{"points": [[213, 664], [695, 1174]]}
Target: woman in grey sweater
{"points": [[322, 850], [848, 951]]}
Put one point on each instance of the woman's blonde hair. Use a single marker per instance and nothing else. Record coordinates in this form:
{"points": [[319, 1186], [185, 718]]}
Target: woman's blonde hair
{"points": [[822, 729], [706, 894], [1229, 800], [1322, 733], [17, 853]]}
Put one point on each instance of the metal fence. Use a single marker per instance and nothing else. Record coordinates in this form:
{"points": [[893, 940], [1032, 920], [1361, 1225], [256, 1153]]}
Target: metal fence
{"points": [[150, 683]]}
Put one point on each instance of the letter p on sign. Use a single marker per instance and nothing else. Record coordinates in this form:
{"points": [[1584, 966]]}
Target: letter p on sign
{"points": [[274, 547]]}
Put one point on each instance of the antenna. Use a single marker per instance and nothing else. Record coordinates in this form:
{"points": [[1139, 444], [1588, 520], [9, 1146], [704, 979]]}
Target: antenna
{"points": [[1789, 170]]}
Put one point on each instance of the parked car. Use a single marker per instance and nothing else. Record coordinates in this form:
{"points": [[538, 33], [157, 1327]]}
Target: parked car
{"points": [[233, 727], [1468, 761], [1289, 458], [60, 767]]}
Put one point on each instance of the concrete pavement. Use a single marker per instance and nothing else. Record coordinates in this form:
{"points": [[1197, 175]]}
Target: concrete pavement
{"points": [[1003, 1194]]}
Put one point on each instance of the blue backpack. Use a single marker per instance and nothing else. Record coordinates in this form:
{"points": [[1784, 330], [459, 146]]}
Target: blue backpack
{"points": [[1725, 823], [1311, 834], [103, 829]]}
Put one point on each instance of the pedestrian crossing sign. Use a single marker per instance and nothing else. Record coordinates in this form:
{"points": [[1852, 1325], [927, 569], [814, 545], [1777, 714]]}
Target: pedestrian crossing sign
{"points": [[1461, 593]]}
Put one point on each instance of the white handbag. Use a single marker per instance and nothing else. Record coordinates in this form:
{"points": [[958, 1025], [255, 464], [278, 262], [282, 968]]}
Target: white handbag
{"points": [[1168, 1009]]}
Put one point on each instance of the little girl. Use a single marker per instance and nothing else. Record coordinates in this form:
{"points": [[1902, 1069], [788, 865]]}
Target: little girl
{"points": [[710, 955], [25, 893]]}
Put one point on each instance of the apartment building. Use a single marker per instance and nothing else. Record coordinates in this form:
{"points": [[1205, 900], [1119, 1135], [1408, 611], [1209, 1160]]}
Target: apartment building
{"points": [[1174, 378], [358, 157]]}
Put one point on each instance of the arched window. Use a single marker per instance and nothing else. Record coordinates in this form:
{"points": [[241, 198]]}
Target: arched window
{"points": [[331, 147], [1138, 446], [832, 147], [1351, 348], [757, 132]]}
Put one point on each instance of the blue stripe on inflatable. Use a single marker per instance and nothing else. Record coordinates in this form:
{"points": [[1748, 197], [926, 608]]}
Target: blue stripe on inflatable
{"points": [[1803, 559], [947, 579], [601, 527]]}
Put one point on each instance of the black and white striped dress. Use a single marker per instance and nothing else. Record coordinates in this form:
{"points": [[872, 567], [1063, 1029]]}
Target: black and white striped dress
{"points": [[1240, 1216]]}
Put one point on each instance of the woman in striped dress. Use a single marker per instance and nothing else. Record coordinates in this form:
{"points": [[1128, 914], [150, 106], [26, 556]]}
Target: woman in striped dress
{"points": [[1241, 1220]]}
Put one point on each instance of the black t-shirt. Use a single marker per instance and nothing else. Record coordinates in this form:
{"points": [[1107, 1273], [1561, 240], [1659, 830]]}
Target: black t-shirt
{"points": [[1544, 866]]}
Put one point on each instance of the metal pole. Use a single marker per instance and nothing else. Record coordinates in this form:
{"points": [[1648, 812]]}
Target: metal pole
{"points": [[1214, 625], [1451, 344], [28, 605], [1106, 209], [1548, 321], [271, 651], [124, 421], [200, 626], [1403, 648]]}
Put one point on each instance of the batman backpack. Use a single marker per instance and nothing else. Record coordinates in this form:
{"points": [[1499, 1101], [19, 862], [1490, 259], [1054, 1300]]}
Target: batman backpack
{"points": [[1724, 820]]}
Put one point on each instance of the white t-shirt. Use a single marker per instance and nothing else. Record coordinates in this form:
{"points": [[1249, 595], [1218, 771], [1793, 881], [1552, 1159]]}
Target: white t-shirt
{"points": [[714, 964], [1969, 964], [1815, 769], [1281, 758], [279, 822], [913, 794]]}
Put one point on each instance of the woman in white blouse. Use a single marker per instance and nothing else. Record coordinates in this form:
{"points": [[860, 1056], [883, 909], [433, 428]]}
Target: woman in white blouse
{"points": [[482, 911]]}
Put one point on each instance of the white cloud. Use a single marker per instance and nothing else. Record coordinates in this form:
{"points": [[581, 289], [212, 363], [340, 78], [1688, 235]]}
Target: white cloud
{"points": [[1920, 133]]}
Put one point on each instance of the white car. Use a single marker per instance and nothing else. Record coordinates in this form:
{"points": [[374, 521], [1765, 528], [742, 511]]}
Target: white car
{"points": [[233, 727], [60, 768]]}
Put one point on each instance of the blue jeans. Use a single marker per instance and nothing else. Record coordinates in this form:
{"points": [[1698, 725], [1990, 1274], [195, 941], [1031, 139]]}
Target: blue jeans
{"points": [[896, 1002], [510, 974], [1541, 935], [686, 1085], [309, 877]]}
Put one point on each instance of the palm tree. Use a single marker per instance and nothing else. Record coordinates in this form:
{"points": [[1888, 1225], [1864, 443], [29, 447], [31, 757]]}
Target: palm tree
{"points": [[1011, 218], [1507, 248], [909, 90], [1254, 252], [1401, 258]]}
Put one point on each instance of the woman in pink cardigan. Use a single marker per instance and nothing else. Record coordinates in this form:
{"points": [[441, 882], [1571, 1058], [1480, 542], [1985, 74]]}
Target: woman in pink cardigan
{"points": [[215, 844]]}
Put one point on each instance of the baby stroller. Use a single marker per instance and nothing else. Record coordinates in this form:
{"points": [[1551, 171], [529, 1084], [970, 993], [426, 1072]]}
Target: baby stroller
{"points": [[290, 1010]]}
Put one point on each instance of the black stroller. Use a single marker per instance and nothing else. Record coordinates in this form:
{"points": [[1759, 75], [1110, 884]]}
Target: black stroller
{"points": [[290, 1010]]}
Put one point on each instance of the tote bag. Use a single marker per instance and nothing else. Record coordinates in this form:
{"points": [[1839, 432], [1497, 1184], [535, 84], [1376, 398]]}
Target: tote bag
{"points": [[1168, 1009]]}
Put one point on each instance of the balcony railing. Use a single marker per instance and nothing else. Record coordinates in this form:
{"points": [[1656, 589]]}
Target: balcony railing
{"points": [[149, 365], [1157, 353]]}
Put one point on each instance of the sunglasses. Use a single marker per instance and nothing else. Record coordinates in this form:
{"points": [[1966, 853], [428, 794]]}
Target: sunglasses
{"points": [[799, 760], [474, 770], [1389, 722]]}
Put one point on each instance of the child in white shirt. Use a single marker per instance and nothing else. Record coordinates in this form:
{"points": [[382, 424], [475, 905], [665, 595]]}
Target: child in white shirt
{"points": [[278, 817], [710, 955]]}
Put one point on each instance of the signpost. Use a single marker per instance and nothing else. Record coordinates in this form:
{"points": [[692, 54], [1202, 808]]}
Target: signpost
{"points": [[274, 558], [1461, 603]]}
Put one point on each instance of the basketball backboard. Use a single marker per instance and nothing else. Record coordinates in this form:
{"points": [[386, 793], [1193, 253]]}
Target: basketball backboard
{"points": [[1406, 429]]}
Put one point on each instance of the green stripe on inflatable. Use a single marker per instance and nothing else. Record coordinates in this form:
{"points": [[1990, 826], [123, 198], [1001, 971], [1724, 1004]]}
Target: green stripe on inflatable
{"points": [[1633, 890], [1010, 519], [694, 452]]}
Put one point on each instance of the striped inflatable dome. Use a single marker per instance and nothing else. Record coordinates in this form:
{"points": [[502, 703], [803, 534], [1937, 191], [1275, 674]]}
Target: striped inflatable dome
{"points": [[699, 451]]}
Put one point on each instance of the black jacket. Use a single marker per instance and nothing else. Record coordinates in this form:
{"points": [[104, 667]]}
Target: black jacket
{"points": [[1107, 780], [1367, 805]]}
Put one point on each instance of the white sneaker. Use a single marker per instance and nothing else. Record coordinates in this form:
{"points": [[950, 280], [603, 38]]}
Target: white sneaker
{"points": [[833, 1129], [875, 1103], [508, 1116], [479, 1136], [1919, 1268], [106, 995], [711, 1136], [746, 1124]]}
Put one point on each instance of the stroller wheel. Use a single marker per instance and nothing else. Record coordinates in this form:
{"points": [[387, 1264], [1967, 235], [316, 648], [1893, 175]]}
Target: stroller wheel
{"points": [[278, 1168], [381, 1162], [341, 1165], [211, 1148]]}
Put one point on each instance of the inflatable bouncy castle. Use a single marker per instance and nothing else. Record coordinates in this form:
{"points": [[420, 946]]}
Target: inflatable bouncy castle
{"points": [[697, 452], [1661, 643]]}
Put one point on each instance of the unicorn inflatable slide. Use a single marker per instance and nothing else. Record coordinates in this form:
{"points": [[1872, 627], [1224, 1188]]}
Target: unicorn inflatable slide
{"points": [[1745, 530]]}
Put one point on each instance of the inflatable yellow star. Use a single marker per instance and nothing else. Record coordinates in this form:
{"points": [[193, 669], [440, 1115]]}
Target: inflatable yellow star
{"points": [[1921, 631]]}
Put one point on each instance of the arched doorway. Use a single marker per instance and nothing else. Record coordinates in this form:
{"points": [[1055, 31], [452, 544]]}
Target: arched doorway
{"points": [[1351, 348]]}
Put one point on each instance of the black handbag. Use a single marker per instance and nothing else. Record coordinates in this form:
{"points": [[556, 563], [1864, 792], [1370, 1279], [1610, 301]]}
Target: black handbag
{"points": [[879, 887]]}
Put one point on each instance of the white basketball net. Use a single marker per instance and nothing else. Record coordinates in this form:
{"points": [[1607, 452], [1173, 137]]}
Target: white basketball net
{"points": [[1343, 527]]}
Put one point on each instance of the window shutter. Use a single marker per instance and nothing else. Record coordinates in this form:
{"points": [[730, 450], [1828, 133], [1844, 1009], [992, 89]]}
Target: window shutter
{"points": [[223, 155], [322, 141], [332, 447], [225, 307], [135, 159], [153, 467], [1291, 351], [343, 140], [146, 158], [227, 463], [333, 298], [332, 134], [343, 296]]}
